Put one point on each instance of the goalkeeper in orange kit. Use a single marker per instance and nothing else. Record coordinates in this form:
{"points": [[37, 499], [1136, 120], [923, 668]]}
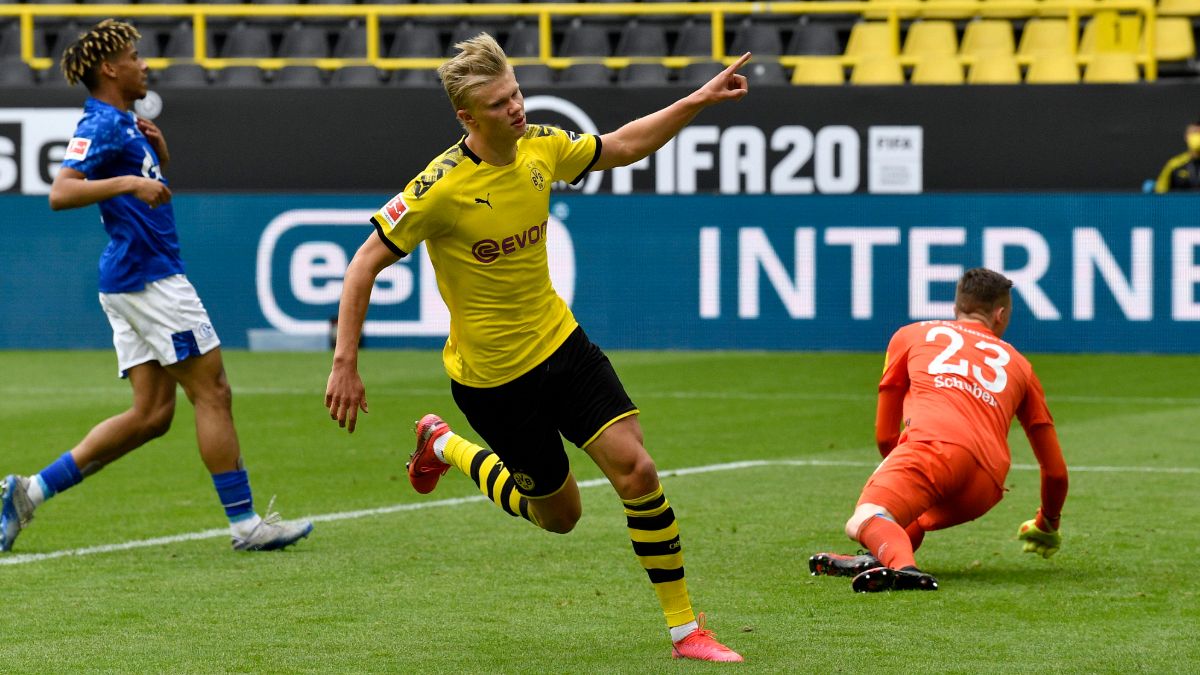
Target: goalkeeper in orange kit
{"points": [[949, 392]]}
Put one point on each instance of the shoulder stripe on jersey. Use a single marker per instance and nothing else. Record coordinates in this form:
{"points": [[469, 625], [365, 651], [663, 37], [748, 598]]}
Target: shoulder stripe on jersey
{"points": [[595, 158], [440, 167], [386, 242]]}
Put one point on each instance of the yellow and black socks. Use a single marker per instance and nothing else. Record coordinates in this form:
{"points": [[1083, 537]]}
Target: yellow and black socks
{"points": [[655, 536], [488, 472]]}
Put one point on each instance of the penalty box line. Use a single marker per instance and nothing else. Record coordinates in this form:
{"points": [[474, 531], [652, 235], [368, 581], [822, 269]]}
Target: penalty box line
{"points": [[24, 558]]}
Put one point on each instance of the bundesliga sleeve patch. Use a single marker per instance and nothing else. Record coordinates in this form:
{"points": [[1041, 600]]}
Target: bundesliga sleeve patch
{"points": [[77, 148], [394, 210]]}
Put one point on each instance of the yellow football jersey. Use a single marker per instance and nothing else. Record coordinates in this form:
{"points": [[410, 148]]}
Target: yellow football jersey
{"points": [[485, 229]]}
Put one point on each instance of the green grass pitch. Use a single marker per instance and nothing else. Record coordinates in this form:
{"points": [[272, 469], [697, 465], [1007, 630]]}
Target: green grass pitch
{"points": [[456, 587]]}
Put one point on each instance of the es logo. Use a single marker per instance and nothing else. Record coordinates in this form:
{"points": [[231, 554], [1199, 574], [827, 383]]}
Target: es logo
{"points": [[303, 255], [33, 142]]}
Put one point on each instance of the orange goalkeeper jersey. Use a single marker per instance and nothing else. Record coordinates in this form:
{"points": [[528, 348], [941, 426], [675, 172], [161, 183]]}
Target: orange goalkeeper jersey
{"points": [[960, 384]]}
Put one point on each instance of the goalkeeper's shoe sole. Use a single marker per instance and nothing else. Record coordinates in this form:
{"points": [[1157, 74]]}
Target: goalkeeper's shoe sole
{"points": [[424, 467], [839, 565], [886, 579]]}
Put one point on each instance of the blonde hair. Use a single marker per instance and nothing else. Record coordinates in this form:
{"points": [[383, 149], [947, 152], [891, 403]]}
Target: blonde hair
{"points": [[80, 58], [479, 62]]}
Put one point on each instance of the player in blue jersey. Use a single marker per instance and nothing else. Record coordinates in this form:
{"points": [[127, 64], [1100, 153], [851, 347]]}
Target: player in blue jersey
{"points": [[161, 331]]}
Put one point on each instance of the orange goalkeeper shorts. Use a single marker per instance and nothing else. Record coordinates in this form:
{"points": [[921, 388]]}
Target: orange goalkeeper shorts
{"points": [[940, 483]]}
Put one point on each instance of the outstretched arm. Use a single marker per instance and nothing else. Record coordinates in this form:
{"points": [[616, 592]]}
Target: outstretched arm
{"points": [[641, 137], [344, 393]]}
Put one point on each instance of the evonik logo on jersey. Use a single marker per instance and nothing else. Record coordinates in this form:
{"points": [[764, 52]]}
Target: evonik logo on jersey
{"points": [[487, 251], [302, 259]]}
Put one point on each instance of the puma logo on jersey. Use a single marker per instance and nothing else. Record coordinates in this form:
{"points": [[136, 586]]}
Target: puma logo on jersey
{"points": [[485, 200]]}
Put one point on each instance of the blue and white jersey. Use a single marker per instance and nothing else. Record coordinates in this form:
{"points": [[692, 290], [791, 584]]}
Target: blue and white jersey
{"points": [[143, 244]]}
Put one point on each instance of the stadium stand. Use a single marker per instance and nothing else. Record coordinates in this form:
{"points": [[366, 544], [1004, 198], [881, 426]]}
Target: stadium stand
{"points": [[596, 42], [1052, 69]]}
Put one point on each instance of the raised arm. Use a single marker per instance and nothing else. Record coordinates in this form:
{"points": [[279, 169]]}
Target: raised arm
{"points": [[71, 189], [641, 137], [344, 393]]}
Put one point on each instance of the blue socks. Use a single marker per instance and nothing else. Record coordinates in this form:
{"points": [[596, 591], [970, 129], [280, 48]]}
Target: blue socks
{"points": [[233, 487], [62, 474]]}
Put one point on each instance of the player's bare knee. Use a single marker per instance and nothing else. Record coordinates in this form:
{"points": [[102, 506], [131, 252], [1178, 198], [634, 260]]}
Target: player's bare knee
{"points": [[158, 422], [638, 478]]}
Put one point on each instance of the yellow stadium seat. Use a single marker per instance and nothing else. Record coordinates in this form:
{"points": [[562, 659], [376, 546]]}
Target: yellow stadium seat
{"points": [[1109, 31], [931, 38], [819, 70], [1045, 36], [871, 38], [1173, 39], [1111, 69], [987, 36], [994, 68], [1053, 69], [1179, 7], [938, 70], [877, 70]]}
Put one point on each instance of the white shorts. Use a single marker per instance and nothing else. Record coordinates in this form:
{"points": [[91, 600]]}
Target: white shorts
{"points": [[164, 322]]}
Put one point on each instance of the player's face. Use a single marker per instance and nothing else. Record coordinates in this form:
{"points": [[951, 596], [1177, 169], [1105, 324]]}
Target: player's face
{"points": [[130, 72], [498, 109]]}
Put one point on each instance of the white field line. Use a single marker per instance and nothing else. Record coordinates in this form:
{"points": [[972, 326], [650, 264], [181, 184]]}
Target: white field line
{"points": [[122, 392], [23, 558]]}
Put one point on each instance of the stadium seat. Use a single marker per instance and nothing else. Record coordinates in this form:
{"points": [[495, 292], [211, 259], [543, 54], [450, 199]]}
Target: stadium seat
{"points": [[1109, 31], [244, 41], [305, 42], [522, 40], [1111, 69], [877, 70], [351, 41], [1173, 39], [465, 30], [644, 75], [987, 36], [586, 75], [183, 75], [994, 68], [694, 39], [1045, 36], [696, 74], [761, 38], [937, 69], [15, 73], [818, 70], [1052, 69], [413, 40], [1179, 7], [871, 38], [356, 76], [642, 39], [534, 75], [585, 39], [765, 72], [931, 38], [814, 39]]}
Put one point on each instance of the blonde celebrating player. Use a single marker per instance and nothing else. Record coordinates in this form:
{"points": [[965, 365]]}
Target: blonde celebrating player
{"points": [[521, 368]]}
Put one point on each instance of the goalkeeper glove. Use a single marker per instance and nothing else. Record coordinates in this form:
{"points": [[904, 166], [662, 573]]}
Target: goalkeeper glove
{"points": [[1038, 540]]}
